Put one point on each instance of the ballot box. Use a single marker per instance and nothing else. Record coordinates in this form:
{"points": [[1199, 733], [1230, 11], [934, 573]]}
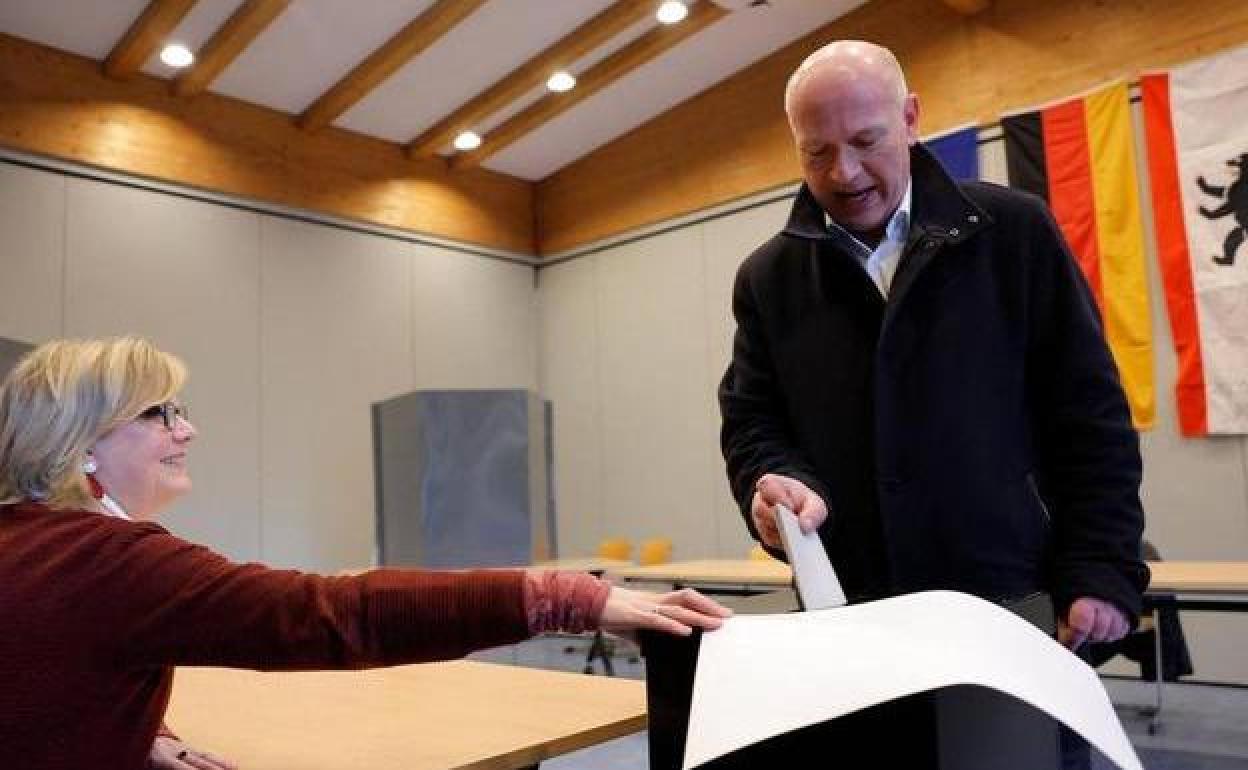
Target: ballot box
{"points": [[953, 728]]}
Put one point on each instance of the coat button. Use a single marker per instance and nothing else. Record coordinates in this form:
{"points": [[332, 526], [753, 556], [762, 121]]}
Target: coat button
{"points": [[953, 231], [973, 218]]}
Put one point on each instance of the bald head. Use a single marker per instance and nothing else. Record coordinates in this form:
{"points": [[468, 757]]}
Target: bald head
{"points": [[845, 60], [853, 123]]}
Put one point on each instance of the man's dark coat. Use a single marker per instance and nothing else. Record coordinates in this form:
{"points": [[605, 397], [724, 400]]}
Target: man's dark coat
{"points": [[969, 433]]}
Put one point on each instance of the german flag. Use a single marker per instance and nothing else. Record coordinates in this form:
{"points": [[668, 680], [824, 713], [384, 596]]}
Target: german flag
{"points": [[1079, 155]]}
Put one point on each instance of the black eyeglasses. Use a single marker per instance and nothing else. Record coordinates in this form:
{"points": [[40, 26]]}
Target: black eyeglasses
{"points": [[168, 412]]}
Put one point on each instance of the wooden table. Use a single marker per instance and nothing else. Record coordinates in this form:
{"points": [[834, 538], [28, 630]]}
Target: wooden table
{"points": [[440, 716], [714, 575], [1200, 577], [1229, 579], [593, 564]]}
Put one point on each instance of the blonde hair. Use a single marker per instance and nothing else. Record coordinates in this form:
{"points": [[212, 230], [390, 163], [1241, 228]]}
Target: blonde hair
{"points": [[61, 398]]}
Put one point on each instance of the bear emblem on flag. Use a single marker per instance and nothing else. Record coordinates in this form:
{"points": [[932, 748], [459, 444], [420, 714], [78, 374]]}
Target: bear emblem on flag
{"points": [[1235, 196]]}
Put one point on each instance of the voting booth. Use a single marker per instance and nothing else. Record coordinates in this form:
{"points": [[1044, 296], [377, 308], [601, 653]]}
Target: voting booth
{"points": [[463, 479], [952, 728]]}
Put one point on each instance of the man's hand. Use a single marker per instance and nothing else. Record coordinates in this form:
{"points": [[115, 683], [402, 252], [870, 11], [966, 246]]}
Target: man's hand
{"points": [[169, 753], [1091, 620], [772, 490]]}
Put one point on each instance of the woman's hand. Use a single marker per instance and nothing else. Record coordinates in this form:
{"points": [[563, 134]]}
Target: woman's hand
{"points": [[169, 753], [678, 612]]}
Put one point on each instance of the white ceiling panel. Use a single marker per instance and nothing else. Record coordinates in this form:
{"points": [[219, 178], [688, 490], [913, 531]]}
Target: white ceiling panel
{"points": [[88, 29], [314, 43], [726, 47], [311, 46], [614, 44], [577, 68], [479, 52]]}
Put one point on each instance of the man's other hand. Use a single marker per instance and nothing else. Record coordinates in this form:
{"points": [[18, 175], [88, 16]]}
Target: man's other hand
{"points": [[773, 489], [1091, 620]]}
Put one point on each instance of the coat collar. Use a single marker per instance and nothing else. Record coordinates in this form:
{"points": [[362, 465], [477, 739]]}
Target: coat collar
{"points": [[939, 208]]}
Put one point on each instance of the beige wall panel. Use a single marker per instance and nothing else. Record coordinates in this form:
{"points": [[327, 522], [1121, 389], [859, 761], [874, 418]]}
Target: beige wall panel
{"points": [[335, 338], [726, 244], [1193, 494], [185, 274], [32, 253], [570, 380], [474, 322], [656, 392], [1216, 641], [992, 167]]}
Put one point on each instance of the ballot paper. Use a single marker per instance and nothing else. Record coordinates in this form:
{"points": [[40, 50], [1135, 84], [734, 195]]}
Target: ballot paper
{"points": [[798, 669], [816, 580]]}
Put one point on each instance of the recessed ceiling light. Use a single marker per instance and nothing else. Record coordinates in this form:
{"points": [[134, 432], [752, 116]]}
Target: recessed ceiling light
{"points": [[177, 55], [671, 12], [468, 140], [560, 82]]}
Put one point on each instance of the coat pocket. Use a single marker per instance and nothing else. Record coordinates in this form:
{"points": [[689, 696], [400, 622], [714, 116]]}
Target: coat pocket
{"points": [[1033, 522]]}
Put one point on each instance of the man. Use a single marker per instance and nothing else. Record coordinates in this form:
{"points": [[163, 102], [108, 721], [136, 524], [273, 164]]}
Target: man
{"points": [[920, 374]]}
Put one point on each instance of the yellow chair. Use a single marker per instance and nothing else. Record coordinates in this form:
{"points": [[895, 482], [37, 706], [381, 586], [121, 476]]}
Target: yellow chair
{"points": [[758, 553], [656, 550], [615, 548]]}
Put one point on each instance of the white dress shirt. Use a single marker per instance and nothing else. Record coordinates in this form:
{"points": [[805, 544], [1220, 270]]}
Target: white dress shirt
{"points": [[880, 262]]}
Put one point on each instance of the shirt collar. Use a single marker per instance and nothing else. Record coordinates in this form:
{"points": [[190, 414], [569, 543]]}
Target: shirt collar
{"points": [[897, 229]]}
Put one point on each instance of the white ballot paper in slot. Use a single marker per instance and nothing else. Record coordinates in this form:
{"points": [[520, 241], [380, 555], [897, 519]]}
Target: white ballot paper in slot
{"points": [[817, 582], [798, 669]]}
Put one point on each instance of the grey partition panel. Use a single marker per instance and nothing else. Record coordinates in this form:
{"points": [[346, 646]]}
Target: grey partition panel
{"points": [[548, 458], [462, 479], [10, 352]]}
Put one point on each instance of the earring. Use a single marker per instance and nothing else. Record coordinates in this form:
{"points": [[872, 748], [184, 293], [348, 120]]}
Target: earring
{"points": [[89, 466]]}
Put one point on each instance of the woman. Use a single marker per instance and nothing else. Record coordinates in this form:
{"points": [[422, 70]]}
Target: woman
{"points": [[99, 603]]}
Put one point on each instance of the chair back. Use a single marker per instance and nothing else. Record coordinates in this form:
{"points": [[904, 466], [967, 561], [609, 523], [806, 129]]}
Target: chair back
{"points": [[758, 553], [656, 550], [615, 548]]}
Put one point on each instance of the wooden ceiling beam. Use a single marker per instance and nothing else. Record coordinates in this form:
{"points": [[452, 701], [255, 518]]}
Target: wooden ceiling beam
{"points": [[251, 18], [419, 34], [150, 30], [533, 73], [598, 77], [59, 105], [968, 7]]}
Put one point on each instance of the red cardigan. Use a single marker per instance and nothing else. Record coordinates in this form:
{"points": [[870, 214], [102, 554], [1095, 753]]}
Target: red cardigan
{"points": [[95, 611]]}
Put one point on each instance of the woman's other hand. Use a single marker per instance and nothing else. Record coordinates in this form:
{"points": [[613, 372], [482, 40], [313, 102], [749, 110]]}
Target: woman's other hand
{"points": [[169, 753]]}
